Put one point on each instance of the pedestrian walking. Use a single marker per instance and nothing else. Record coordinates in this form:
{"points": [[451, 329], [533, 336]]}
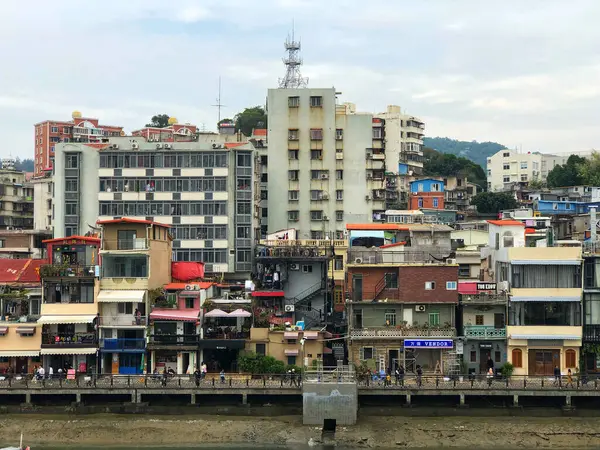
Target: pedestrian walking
{"points": [[569, 378], [222, 376], [557, 376], [419, 376], [490, 376]]}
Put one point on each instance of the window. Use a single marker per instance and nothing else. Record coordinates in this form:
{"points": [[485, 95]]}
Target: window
{"points": [[339, 195], [66, 130], [54, 129], [291, 360], [473, 356], [570, 359], [317, 235], [517, 358], [506, 179], [505, 155], [434, 319], [264, 195], [316, 102], [307, 268], [293, 102], [293, 175], [366, 353], [125, 308], [464, 270], [315, 174], [429, 285], [316, 134], [391, 280], [420, 202], [523, 164], [450, 285], [339, 174], [390, 317], [339, 134], [479, 319], [316, 195], [338, 262], [435, 187], [264, 177], [377, 133], [506, 166], [71, 162], [497, 356], [316, 215], [316, 154], [261, 349], [292, 135], [292, 154], [293, 196], [435, 202], [189, 303], [339, 216], [524, 177], [293, 216], [489, 172]]}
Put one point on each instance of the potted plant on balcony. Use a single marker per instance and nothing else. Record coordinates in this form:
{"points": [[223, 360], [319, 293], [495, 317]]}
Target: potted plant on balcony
{"points": [[507, 370]]}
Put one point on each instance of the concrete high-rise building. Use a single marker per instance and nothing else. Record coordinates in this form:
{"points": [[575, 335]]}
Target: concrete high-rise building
{"points": [[16, 198], [78, 129], [205, 192]]}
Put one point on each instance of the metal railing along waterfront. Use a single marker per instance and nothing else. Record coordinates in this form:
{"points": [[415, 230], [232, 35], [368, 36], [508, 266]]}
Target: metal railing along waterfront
{"points": [[410, 382]]}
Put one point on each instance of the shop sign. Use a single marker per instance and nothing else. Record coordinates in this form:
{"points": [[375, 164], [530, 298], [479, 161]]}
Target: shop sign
{"points": [[486, 286], [482, 345], [428, 343]]}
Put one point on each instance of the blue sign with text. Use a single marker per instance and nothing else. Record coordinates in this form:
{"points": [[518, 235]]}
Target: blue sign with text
{"points": [[428, 343]]}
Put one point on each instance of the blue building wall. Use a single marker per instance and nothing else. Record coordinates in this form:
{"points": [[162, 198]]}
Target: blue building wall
{"points": [[548, 207], [426, 183]]}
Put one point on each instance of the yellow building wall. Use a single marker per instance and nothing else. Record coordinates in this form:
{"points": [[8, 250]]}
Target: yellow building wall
{"points": [[13, 341], [276, 345], [160, 263]]}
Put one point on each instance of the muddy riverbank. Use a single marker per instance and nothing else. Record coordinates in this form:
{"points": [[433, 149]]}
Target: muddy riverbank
{"points": [[370, 432]]}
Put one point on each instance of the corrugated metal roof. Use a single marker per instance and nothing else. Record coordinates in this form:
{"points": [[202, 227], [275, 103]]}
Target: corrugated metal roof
{"points": [[565, 337], [544, 262], [544, 299]]}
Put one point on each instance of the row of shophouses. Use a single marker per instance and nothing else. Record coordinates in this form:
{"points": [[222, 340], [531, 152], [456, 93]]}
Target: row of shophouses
{"points": [[389, 294]]}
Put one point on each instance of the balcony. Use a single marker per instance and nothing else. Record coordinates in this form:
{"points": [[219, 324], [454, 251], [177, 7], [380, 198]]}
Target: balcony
{"points": [[70, 340], [401, 255], [591, 333], [294, 252], [399, 333], [591, 247], [132, 245], [123, 283], [67, 271], [174, 340], [123, 320], [221, 334], [484, 332], [484, 299], [123, 345]]}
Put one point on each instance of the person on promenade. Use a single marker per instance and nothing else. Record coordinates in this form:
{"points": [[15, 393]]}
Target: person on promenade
{"points": [[164, 377], [222, 375], [197, 376], [490, 364], [293, 380], [50, 372], [556, 376], [203, 369], [419, 376], [401, 375], [569, 378], [490, 376]]}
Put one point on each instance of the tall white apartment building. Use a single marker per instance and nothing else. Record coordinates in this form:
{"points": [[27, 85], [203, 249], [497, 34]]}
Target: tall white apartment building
{"points": [[205, 192], [507, 167], [326, 164]]}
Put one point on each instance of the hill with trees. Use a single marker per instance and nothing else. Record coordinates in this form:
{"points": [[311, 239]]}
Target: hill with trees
{"points": [[446, 165], [575, 172], [478, 152]]}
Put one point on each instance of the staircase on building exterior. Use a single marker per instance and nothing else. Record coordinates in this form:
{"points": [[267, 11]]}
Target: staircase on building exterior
{"points": [[312, 317], [380, 287]]}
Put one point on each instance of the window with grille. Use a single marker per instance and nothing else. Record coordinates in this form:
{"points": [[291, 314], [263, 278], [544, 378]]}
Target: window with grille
{"points": [[293, 196], [391, 280], [316, 134], [339, 216], [479, 319], [293, 215], [390, 317], [293, 102], [292, 154], [316, 102], [292, 135], [339, 194], [339, 134], [316, 215], [339, 174], [316, 195], [293, 175]]}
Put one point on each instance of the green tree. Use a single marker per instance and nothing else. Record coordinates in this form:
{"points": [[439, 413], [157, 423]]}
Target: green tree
{"points": [[478, 152], [590, 170], [569, 174], [446, 165], [493, 202], [25, 165], [250, 119], [159, 121]]}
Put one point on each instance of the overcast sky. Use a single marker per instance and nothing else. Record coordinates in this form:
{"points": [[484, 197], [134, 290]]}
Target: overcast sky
{"points": [[522, 73]]}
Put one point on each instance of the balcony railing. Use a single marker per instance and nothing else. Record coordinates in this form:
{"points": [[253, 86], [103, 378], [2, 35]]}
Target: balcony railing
{"points": [[69, 340], [366, 333], [591, 333], [405, 255], [484, 332], [484, 299], [591, 247], [170, 339], [293, 252], [125, 244], [123, 344], [219, 334], [123, 320], [67, 270]]}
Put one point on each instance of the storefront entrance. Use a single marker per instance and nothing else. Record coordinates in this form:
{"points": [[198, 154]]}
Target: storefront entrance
{"points": [[542, 362], [485, 352], [221, 359]]}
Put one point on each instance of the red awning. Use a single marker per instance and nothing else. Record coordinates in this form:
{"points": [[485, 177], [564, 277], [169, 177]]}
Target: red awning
{"points": [[182, 286], [327, 351], [268, 294], [187, 270], [187, 315], [311, 335]]}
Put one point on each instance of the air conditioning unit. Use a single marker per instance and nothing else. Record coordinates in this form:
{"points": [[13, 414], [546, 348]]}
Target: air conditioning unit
{"points": [[135, 146], [367, 197], [168, 146], [358, 260], [158, 145], [324, 176], [294, 266], [189, 287], [451, 261], [115, 146], [503, 286], [420, 308], [324, 196], [369, 176], [325, 218], [289, 308], [369, 156]]}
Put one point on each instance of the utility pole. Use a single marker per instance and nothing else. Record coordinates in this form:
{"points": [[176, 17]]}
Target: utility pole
{"points": [[219, 105]]}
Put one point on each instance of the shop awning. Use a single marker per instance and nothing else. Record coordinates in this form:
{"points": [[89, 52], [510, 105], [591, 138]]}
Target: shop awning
{"points": [[546, 262], [327, 351], [68, 351], [240, 313], [291, 352], [26, 330], [520, 298], [311, 335], [19, 353], [290, 335], [564, 337], [121, 296], [64, 319], [216, 313], [186, 315], [3, 331], [222, 344], [268, 294]]}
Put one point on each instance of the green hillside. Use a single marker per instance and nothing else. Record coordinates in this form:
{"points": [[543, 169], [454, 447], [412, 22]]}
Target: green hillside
{"points": [[478, 152]]}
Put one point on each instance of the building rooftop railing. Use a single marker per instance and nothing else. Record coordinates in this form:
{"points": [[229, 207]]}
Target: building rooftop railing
{"points": [[303, 243], [125, 244], [484, 299], [294, 252], [400, 256], [591, 247], [67, 270], [390, 332]]}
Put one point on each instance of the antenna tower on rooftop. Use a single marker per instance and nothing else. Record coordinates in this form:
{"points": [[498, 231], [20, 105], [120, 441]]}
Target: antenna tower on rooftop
{"points": [[293, 78]]}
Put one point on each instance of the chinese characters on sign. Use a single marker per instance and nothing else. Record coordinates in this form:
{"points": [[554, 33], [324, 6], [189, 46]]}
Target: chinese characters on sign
{"points": [[428, 343]]}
